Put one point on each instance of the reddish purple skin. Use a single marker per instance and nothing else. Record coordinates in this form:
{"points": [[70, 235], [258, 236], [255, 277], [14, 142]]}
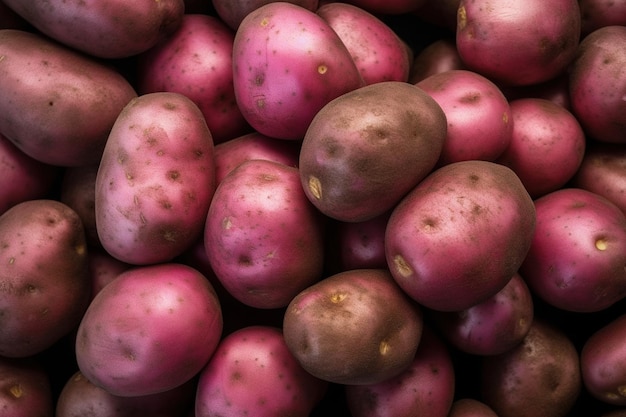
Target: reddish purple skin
{"points": [[440, 56], [425, 388], [232, 12], [578, 251], [361, 244], [103, 268], [599, 13], [471, 407], [253, 373], [547, 145], [493, 326], [602, 362], [389, 6], [78, 191], [25, 388]]}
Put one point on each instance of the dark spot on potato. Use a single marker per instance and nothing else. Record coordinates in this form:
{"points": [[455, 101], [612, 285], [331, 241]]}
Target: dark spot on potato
{"points": [[244, 260], [472, 97], [169, 106], [173, 175], [474, 178]]}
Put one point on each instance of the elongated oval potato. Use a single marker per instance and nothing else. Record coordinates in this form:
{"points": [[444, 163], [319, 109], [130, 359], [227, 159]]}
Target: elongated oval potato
{"points": [[57, 105], [103, 28]]}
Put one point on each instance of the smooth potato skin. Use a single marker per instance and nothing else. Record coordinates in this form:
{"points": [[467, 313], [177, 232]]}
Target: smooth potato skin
{"points": [[44, 281], [104, 29], [25, 388], [57, 105], [155, 180]]}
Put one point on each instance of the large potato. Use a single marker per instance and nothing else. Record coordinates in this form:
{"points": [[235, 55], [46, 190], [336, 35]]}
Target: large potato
{"points": [[156, 179], [25, 388], [57, 105], [103, 28], [460, 235], [44, 279]]}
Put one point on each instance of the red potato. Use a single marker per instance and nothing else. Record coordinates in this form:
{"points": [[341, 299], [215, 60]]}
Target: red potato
{"points": [[80, 397], [477, 112], [555, 90], [196, 60], [150, 330], [392, 7], [471, 407], [103, 268], [253, 373], [547, 145], [492, 327], [603, 171], [439, 56], [578, 251], [232, 12], [25, 388], [254, 145], [44, 279], [599, 13], [602, 362], [597, 84], [378, 52], [105, 29], [155, 180], [494, 39], [23, 178], [263, 238], [41, 115], [287, 64], [476, 221], [78, 191], [355, 327], [425, 388], [366, 149], [539, 377]]}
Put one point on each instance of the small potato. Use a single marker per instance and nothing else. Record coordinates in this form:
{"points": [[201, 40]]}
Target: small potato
{"points": [[25, 388], [103, 268], [439, 56], [150, 330], [57, 105], [44, 280], [155, 180], [253, 373], [356, 327]]}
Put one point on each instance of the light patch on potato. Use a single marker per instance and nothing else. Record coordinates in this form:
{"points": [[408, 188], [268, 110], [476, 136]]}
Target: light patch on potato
{"points": [[384, 347], [16, 391], [601, 244], [315, 186], [402, 266]]}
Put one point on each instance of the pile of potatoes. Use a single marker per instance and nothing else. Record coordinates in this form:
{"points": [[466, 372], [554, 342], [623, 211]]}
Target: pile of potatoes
{"points": [[308, 208]]}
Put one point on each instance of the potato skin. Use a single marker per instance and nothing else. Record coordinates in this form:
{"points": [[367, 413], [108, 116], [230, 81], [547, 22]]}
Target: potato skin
{"points": [[355, 327], [41, 115], [25, 388], [104, 29], [44, 281], [155, 180]]}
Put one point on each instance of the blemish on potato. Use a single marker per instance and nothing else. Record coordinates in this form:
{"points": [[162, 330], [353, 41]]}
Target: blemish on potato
{"points": [[461, 18], [601, 244], [402, 266], [384, 347], [11, 260], [338, 297], [227, 223], [315, 186], [322, 69], [264, 22], [16, 391], [173, 175]]}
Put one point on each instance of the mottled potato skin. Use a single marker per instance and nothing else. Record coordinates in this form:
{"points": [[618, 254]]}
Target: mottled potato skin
{"points": [[105, 29], [57, 105], [155, 180], [44, 279]]}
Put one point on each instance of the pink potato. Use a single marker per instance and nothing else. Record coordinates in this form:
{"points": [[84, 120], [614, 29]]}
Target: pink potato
{"points": [[425, 388], [263, 238], [460, 235], [25, 388], [78, 190], [155, 180], [253, 373], [602, 362], [495, 40], [23, 178], [378, 52], [477, 112], [232, 12], [599, 13], [439, 56], [44, 282], [597, 84], [254, 145], [45, 117], [288, 63], [547, 145], [103, 268], [578, 251], [150, 330], [196, 60], [493, 326], [104, 29]]}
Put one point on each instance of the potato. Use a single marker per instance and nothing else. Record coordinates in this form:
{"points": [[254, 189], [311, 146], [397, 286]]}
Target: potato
{"points": [[232, 12], [253, 373], [392, 7], [25, 388], [460, 235], [599, 13], [470, 407], [150, 330], [263, 238], [578, 251], [61, 109], [44, 281], [155, 180], [366, 149], [477, 112], [105, 29], [288, 63], [439, 56], [196, 60], [425, 388], [539, 377], [103, 268], [355, 327], [77, 189]]}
